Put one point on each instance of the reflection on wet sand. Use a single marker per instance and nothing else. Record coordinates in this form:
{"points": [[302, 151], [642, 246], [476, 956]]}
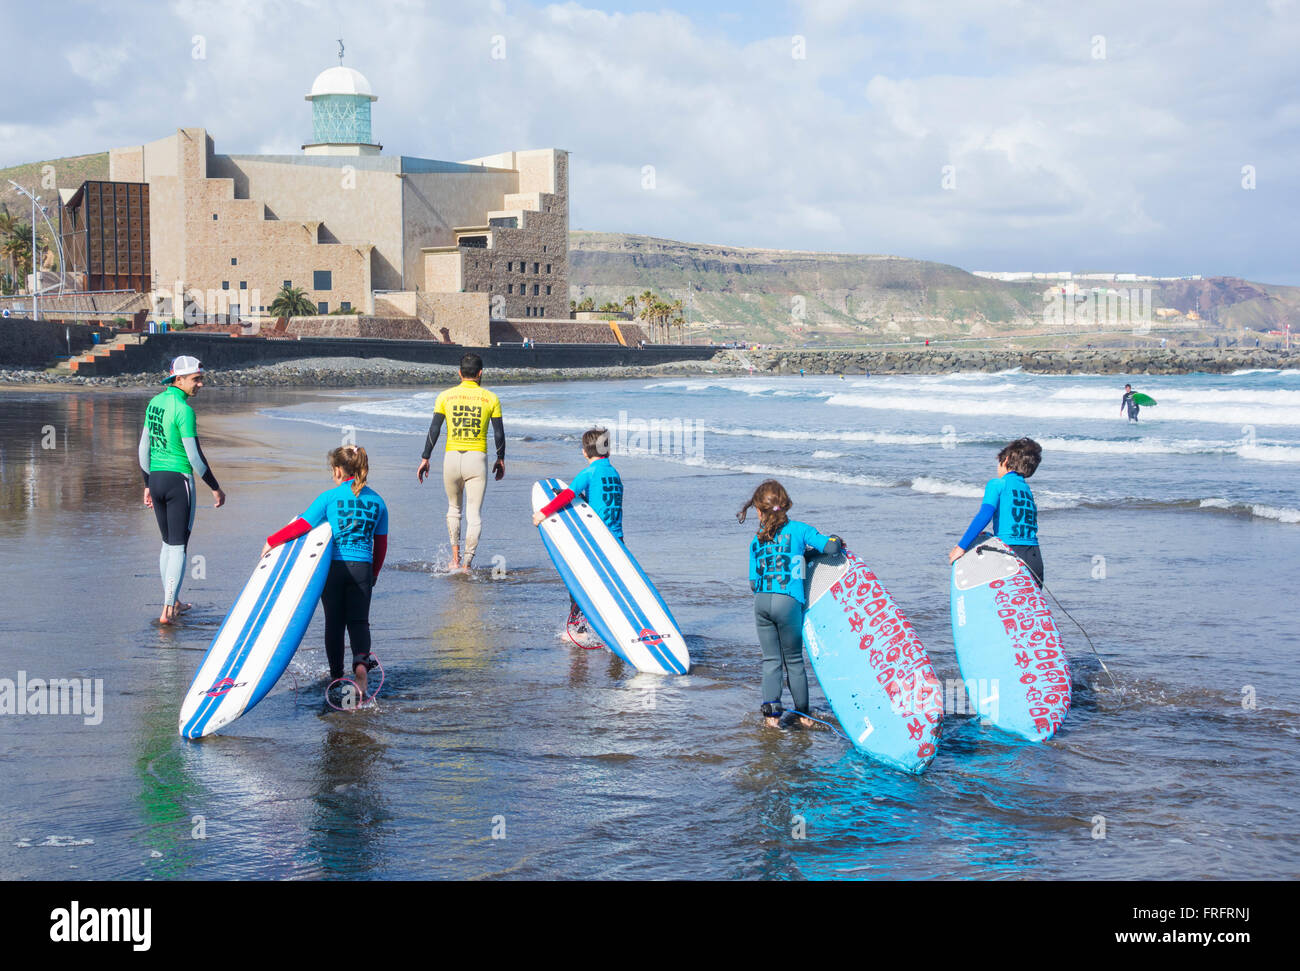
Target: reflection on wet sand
{"points": [[66, 453]]}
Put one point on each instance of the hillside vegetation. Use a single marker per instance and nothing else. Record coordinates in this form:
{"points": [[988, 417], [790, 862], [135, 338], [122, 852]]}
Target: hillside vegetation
{"points": [[783, 296]]}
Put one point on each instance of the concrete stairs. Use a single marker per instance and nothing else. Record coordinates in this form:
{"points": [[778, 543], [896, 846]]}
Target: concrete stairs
{"points": [[114, 350]]}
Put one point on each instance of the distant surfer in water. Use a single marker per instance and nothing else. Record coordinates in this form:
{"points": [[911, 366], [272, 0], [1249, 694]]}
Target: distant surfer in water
{"points": [[1127, 403], [358, 519], [1009, 498], [170, 455], [468, 410], [600, 485], [776, 576]]}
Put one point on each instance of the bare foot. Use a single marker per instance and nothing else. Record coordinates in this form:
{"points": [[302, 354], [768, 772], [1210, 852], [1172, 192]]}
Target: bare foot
{"points": [[181, 608], [168, 615], [773, 722], [455, 557], [359, 675], [806, 722]]}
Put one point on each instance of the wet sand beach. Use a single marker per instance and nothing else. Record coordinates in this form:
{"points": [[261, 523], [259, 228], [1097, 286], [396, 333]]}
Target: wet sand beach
{"points": [[499, 750]]}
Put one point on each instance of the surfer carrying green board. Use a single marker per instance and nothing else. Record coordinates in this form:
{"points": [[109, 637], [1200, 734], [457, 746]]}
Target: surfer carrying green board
{"points": [[1129, 403], [776, 576], [1009, 505]]}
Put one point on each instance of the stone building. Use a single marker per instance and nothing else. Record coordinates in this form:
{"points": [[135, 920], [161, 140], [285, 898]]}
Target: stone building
{"points": [[454, 244]]}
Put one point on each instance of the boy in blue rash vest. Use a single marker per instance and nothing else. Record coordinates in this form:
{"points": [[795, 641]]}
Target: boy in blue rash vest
{"points": [[358, 519], [602, 488], [776, 576], [1009, 499]]}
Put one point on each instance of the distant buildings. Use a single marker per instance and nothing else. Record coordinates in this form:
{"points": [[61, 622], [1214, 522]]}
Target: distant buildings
{"points": [[452, 243], [1016, 275]]}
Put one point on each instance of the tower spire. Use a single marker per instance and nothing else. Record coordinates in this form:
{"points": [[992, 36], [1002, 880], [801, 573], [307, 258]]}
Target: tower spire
{"points": [[340, 52]]}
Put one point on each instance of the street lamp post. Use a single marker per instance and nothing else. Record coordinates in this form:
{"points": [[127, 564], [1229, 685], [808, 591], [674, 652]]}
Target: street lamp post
{"points": [[36, 311]]}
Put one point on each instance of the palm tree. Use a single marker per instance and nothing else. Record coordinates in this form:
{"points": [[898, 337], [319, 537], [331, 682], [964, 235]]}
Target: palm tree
{"points": [[16, 245], [291, 302], [7, 226]]}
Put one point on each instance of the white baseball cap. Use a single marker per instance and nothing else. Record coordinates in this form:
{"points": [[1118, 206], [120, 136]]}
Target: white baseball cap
{"points": [[183, 366]]}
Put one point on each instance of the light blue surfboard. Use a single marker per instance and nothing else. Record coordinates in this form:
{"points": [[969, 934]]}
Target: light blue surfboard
{"points": [[872, 667], [259, 636], [614, 593], [1009, 650]]}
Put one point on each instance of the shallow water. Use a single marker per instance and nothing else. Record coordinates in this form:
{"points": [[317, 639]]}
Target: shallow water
{"points": [[491, 724]]}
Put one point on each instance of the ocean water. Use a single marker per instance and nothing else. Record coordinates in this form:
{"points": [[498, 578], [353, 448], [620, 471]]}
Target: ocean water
{"points": [[499, 749]]}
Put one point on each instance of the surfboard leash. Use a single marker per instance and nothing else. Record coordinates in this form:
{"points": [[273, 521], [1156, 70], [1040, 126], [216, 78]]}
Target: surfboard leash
{"points": [[834, 730], [1085, 637], [993, 549], [568, 630]]}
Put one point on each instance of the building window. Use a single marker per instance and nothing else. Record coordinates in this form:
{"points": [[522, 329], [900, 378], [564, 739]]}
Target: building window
{"points": [[234, 261], [321, 280], [536, 289], [214, 217], [243, 284], [548, 267], [510, 288], [534, 267], [323, 307], [288, 284], [345, 305], [225, 284], [510, 266], [543, 248], [548, 289]]}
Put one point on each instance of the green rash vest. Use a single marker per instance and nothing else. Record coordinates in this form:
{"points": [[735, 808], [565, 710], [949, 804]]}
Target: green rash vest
{"points": [[169, 420], [168, 442]]}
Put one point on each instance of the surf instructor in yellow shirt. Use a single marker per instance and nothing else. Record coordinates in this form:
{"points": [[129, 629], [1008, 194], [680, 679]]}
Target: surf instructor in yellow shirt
{"points": [[467, 410]]}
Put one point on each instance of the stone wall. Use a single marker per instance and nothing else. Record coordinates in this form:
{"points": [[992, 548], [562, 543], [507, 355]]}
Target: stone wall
{"points": [[563, 332], [355, 325], [37, 343], [218, 351], [935, 360], [463, 316], [535, 254]]}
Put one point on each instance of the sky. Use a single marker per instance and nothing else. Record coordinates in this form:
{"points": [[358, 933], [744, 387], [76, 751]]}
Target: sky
{"points": [[1152, 137]]}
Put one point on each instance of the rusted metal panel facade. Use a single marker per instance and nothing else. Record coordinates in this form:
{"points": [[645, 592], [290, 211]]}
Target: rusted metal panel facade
{"points": [[105, 231]]}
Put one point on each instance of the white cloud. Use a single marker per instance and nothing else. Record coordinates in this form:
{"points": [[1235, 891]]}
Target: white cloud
{"points": [[1061, 159]]}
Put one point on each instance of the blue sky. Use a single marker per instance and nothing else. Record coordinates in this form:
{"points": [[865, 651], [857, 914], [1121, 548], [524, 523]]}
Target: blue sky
{"points": [[986, 133]]}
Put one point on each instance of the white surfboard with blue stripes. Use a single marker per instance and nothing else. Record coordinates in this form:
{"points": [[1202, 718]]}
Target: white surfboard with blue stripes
{"points": [[260, 634], [617, 598]]}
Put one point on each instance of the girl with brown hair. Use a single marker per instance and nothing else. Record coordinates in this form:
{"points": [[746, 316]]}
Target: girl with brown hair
{"points": [[776, 576], [358, 518]]}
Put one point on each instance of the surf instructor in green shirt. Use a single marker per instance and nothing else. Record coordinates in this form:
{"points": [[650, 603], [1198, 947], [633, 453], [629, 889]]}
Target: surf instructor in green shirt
{"points": [[170, 456]]}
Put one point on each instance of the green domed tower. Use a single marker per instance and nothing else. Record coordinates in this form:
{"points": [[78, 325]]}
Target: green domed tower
{"points": [[340, 114]]}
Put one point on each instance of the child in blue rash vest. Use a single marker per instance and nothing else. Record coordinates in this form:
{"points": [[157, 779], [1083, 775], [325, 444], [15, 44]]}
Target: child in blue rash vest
{"points": [[1009, 499], [602, 488], [358, 519], [776, 576]]}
